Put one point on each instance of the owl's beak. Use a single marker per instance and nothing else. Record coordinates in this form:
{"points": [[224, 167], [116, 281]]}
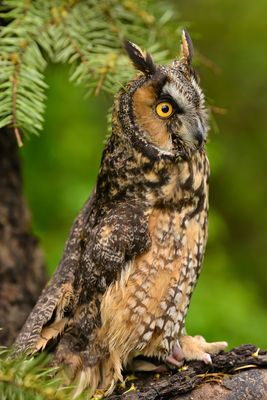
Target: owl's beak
{"points": [[199, 138], [199, 134]]}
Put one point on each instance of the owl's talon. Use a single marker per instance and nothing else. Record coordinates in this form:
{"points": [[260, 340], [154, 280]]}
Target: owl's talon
{"points": [[171, 360], [207, 358], [178, 353], [176, 358], [161, 368]]}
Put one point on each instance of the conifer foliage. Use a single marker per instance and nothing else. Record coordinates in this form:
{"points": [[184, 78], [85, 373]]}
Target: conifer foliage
{"points": [[32, 379], [87, 34]]}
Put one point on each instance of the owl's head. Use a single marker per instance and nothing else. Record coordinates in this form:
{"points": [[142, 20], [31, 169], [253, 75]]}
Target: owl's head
{"points": [[162, 110]]}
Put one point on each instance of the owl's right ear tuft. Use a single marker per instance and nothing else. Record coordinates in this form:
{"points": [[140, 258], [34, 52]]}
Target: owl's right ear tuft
{"points": [[187, 49], [141, 60]]}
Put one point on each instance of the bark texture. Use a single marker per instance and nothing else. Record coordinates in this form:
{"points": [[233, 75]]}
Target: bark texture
{"points": [[22, 272], [240, 374]]}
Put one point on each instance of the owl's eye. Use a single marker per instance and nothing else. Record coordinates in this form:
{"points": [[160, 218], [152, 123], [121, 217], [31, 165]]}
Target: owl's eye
{"points": [[164, 109]]}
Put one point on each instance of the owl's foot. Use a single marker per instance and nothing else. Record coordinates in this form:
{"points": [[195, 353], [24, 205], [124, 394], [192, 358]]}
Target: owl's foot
{"points": [[196, 348], [175, 359]]}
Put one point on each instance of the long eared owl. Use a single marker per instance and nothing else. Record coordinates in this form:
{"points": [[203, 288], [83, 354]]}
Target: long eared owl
{"points": [[134, 253]]}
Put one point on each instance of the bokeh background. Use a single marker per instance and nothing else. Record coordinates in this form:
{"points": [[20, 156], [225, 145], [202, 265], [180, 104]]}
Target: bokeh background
{"points": [[61, 166]]}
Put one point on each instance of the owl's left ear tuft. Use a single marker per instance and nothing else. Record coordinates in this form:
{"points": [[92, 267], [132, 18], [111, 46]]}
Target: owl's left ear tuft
{"points": [[187, 50], [141, 60]]}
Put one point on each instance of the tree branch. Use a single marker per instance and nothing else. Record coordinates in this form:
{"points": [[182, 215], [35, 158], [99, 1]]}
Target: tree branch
{"points": [[236, 375]]}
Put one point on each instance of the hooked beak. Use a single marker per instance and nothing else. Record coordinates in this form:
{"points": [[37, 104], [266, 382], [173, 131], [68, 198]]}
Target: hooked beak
{"points": [[199, 135], [199, 138]]}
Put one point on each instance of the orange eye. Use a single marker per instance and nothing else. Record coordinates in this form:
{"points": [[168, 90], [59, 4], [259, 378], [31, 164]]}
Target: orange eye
{"points": [[164, 109]]}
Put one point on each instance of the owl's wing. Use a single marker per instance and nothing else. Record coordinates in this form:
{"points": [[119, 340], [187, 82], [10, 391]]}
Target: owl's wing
{"points": [[84, 273], [58, 293]]}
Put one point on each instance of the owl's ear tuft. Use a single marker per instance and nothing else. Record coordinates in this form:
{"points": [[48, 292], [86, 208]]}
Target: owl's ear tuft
{"points": [[187, 50], [141, 60]]}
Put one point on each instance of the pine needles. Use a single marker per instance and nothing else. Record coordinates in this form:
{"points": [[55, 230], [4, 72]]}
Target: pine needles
{"points": [[86, 34], [30, 379]]}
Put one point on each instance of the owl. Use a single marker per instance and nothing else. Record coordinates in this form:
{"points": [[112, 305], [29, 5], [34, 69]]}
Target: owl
{"points": [[133, 257]]}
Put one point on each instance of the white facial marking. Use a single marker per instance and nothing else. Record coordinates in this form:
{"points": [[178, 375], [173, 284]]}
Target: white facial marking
{"points": [[171, 89]]}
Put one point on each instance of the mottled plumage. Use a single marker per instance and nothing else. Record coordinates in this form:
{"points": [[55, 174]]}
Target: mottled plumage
{"points": [[134, 253]]}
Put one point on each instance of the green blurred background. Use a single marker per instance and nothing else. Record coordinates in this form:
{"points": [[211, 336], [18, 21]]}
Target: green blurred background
{"points": [[60, 166]]}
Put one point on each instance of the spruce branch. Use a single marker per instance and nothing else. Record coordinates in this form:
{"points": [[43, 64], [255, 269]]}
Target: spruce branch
{"points": [[87, 34], [31, 379]]}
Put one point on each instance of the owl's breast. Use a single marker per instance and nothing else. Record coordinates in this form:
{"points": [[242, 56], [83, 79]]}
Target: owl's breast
{"points": [[145, 308], [149, 301], [164, 276]]}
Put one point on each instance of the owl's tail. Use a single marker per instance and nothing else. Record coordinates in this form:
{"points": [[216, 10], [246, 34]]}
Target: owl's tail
{"points": [[103, 376]]}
